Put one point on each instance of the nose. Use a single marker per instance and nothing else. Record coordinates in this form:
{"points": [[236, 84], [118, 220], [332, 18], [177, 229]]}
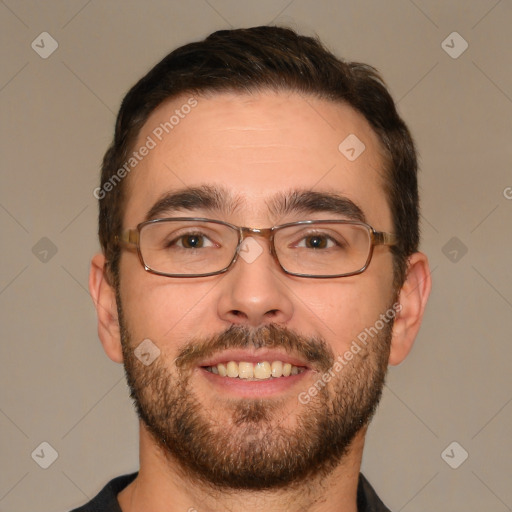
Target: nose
{"points": [[254, 291]]}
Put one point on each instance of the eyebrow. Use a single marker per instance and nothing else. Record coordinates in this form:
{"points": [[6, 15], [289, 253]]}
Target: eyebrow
{"points": [[217, 199], [309, 202], [206, 197]]}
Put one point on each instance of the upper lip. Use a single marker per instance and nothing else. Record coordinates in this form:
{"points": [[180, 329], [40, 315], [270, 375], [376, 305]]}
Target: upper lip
{"points": [[252, 356]]}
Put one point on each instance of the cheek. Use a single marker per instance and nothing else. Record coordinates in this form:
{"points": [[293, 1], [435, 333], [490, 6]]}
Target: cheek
{"points": [[170, 312], [164, 309], [340, 310]]}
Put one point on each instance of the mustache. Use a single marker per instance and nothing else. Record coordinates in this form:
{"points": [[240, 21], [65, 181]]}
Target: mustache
{"points": [[314, 350]]}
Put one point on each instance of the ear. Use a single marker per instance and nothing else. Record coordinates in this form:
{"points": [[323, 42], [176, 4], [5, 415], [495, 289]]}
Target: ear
{"points": [[413, 300], [104, 297]]}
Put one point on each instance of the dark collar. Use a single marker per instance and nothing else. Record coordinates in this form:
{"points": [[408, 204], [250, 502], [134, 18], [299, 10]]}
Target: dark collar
{"points": [[106, 500]]}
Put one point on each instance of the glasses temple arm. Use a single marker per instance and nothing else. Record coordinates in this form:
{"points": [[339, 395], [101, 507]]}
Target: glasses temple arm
{"points": [[130, 236], [381, 238]]}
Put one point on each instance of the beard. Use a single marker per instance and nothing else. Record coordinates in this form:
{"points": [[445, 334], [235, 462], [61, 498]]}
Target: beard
{"points": [[243, 444]]}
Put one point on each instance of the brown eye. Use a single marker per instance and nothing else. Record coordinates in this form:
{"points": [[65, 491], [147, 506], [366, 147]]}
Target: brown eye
{"points": [[192, 241], [316, 242]]}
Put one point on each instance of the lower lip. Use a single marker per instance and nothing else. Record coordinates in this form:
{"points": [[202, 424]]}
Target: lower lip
{"points": [[254, 388]]}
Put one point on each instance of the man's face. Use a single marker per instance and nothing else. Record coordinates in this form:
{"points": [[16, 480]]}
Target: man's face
{"points": [[256, 151]]}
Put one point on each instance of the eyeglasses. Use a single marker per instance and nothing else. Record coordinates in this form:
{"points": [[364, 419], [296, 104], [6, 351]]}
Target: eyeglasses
{"points": [[197, 247]]}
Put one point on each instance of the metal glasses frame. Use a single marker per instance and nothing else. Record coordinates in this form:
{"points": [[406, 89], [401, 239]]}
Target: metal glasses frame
{"points": [[131, 237]]}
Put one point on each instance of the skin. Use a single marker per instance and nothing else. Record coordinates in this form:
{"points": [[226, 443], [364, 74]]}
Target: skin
{"points": [[255, 145]]}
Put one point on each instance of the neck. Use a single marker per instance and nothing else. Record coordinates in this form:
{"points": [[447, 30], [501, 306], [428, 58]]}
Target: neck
{"points": [[162, 485]]}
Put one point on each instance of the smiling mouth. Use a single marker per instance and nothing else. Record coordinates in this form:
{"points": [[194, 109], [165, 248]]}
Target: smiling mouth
{"points": [[263, 370]]}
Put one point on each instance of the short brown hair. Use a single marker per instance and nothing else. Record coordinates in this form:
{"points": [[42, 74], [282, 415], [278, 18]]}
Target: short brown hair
{"points": [[267, 58]]}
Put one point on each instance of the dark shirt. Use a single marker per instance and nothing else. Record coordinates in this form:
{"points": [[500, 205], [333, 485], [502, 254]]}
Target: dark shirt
{"points": [[106, 500]]}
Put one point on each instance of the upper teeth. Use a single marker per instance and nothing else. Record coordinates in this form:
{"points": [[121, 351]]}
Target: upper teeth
{"points": [[261, 370]]}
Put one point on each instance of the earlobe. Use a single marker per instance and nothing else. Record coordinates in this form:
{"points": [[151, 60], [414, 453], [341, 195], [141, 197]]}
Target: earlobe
{"points": [[413, 299], [104, 297]]}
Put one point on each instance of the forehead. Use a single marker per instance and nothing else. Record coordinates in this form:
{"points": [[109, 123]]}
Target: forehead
{"points": [[256, 147]]}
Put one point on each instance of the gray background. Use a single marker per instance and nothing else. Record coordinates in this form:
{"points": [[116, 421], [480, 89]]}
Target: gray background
{"points": [[57, 386]]}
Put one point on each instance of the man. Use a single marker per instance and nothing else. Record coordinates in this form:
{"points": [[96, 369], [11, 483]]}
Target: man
{"points": [[260, 270]]}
